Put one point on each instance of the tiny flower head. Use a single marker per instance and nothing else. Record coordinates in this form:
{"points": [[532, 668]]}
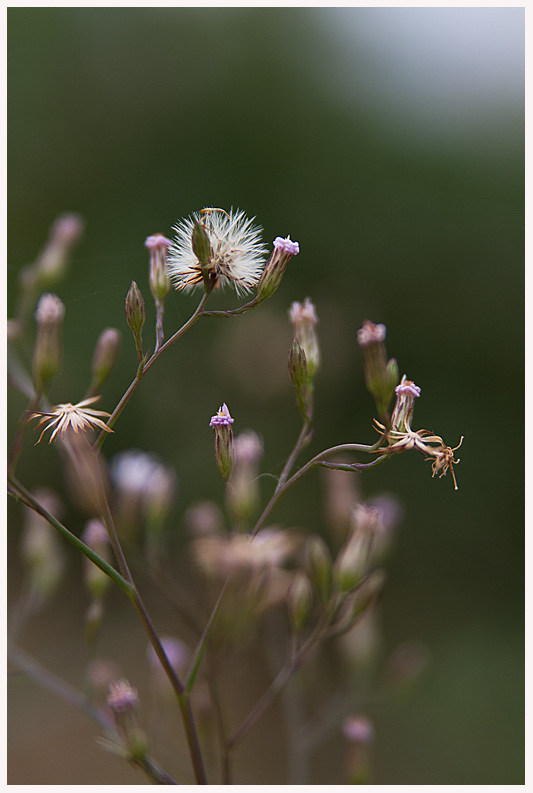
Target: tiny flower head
{"points": [[406, 393], [221, 418], [226, 250], [65, 417], [358, 729], [122, 696], [371, 334]]}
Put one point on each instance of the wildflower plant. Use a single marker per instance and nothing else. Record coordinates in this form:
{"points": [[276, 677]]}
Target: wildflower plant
{"points": [[252, 573]]}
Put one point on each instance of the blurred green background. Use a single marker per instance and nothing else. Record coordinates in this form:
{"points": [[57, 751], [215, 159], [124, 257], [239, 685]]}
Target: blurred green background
{"points": [[390, 144]]}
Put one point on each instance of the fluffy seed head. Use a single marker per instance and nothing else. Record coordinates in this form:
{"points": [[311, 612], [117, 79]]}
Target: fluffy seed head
{"points": [[236, 256]]}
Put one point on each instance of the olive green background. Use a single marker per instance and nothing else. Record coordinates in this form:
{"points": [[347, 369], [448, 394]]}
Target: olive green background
{"points": [[137, 117]]}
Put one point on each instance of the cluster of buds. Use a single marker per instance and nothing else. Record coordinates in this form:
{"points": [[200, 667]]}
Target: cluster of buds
{"points": [[304, 355], [255, 571], [47, 350], [381, 376]]}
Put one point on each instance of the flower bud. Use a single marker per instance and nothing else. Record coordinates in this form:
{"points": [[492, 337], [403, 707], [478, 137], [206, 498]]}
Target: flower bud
{"points": [[380, 375], [244, 494], [298, 366], [204, 518], [52, 261], [284, 250], [352, 562], [105, 356], [135, 311], [41, 549], [157, 244], [359, 735], [201, 244], [47, 350], [304, 319], [318, 564], [299, 600], [224, 451], [123, 701], [96, 537]]}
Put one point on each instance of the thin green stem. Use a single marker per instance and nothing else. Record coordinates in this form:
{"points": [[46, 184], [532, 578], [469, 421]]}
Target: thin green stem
{"points": [[281, 488], [233, 312], [145, 366], [19, 491], [178, 687]]}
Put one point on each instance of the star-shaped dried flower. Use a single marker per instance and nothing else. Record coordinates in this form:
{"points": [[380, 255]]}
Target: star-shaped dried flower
{"points": [[75, 417]]}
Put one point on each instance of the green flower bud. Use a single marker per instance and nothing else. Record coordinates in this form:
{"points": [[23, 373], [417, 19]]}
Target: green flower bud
{"points": [[135, 311], [284, 250], [224, 451], [298, 366], [299, 600], [105, 356], [47, 351], [157, 244], [123, 701], [352, 562], [318, 564], [201, 244], [304, 319]]}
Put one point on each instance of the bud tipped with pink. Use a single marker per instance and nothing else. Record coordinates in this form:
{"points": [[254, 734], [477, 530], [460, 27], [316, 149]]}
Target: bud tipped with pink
{"points": [[284, 250], [381, 375], [224, 450], [47, 351], [158, 245]]}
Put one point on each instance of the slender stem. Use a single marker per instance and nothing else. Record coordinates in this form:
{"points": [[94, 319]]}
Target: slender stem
{"points": [[315, 461], [303, 438], [234, 312], [144, 367], [191, 676], [177, 685], [159, 332], [220, 723], [280, 681]]}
